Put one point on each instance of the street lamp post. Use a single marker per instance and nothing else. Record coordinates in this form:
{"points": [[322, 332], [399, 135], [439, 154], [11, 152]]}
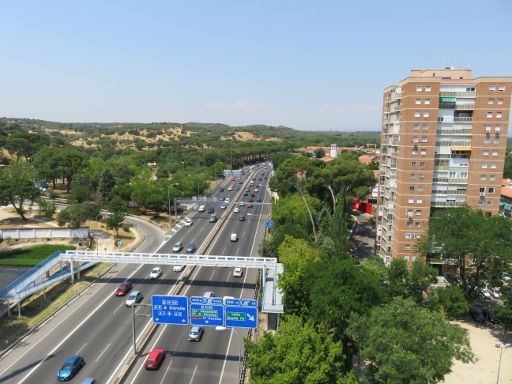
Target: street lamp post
{"points": [[221, 328], [501, 347], [169, 200]]}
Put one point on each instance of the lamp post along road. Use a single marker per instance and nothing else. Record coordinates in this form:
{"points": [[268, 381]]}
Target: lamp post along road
{"points": [[501, 347]]}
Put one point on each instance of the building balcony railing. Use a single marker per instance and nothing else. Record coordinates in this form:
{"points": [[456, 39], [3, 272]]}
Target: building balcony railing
{"points": [[456, 94], [447, 180], [449, 119], [454, 131], [443, 204], [395, 96]]}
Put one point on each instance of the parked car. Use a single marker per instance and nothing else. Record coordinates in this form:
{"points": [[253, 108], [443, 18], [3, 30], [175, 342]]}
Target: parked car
{"points": [[155, 358], [490, 315], [191, 248], [155, 273], [70, 368], [234, 237], [238, 272], [177, 247], [495, 292], [178, 268], [123, 288], [241, 218], [188, 222], [485, 293], [195, 333], [133, 298]]}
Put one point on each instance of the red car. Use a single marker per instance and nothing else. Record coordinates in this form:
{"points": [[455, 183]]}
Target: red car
{"points": [[123, 288], [249, 205], [155, 358]]}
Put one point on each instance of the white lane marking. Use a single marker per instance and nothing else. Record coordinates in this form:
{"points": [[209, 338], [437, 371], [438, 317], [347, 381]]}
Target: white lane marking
{"points": [[80, 350], [193, 375], [55, 328], [257, 225], [102, 352], [213, 273], [165, 373], [161, 332], [71, 333], [226, 357], [179, 226]]}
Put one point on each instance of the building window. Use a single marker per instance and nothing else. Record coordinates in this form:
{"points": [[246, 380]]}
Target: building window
{"points": [[417, 101], [487, 140], [425, 127], [489, 115], [483, 177], [480, 201], [490, 101], [493, 165], [488, 129], [484, 165], [419, 88], [420, 188], [497, 129], [423, 152], [417, 114], [428, 88], [501, 88], [417, 212], [492, 177], [463, 175], [499, 115], [422, 164], [424, 139], [500, 101], [491, 190], [417, 224], [482, 191], [411, 188], [408, 224], [495, 153], [416, 127], [421, 176], [492, 88], [407, 247], [419, 201], [414, 152], [413, 164], [486, 153], [496, 140], [426, 114], [426, 101], [408, 235], [412, 176], [410, 201], [417, 235], [489, 202]]}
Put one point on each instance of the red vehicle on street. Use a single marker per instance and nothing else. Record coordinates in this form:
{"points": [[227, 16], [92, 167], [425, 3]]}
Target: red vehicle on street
{"points": [[249, 205], [155, 358], [123, 288]]}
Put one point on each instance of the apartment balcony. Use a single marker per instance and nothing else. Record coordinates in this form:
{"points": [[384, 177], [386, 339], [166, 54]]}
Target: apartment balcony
{"points": [[463, 119], [456, 94], [445, 204], [459, 107], [395, 96], [454, 131], [450, 181]]}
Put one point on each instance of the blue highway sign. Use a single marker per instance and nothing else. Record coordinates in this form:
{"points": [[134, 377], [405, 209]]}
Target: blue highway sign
{"points": [[169, 309], [206, 311], [241, 313]]}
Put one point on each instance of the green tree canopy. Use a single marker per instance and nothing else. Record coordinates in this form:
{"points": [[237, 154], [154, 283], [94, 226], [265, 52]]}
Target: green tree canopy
{"points": [[17, 186], [401, 342]]}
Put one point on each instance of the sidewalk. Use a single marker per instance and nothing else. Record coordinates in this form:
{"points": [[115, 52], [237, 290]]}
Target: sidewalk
{"points": [[364, 238]]}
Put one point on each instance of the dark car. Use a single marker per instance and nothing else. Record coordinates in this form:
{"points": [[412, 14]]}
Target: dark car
{"points": [[258, 200], [211, 210], [191, 248], [155, 358], [221, 189], [477, 314], [70, 368], [253, 195], [123, 288], [241, 218], [245, 193], [251, 200]]}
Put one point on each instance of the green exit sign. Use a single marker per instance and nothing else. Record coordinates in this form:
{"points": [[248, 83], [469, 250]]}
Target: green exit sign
{"points": [[235, 316]]}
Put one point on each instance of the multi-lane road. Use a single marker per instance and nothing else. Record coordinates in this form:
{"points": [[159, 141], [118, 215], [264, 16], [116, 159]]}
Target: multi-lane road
{"points": [[98, 325]]}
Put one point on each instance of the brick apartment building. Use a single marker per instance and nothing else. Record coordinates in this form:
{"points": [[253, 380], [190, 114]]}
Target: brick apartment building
{"points": [[443, 143]]}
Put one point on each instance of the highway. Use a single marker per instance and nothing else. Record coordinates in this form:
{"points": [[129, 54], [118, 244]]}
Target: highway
{"points": [[98, 325]]}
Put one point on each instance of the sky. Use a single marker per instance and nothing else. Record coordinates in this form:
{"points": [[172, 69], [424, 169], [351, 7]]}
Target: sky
{"points": [[308, 65]]}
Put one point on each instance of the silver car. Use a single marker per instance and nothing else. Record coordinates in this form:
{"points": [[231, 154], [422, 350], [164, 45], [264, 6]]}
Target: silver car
{"points": [[195, 334], [133, 297]]}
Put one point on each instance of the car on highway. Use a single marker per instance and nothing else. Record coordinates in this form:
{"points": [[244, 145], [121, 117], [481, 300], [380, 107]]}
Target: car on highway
{"points": [[191, 248], [155, 358], [236, 210], [195, 333], [133, 298], [123, 288], [241, 204], [251, 200], [178, 268], [208, 294], [246, 194], [177, 247], [241, 218], [252, 195], [227, 199], [258, 200], [238, 272], [88, 380], [256, 190], [70, 368], [202, 208], [188, 222], [155, 273], [230, 188], [211, 210], [250, 205], [212, 219], [221, 189], [223, 206], [234, 237]]}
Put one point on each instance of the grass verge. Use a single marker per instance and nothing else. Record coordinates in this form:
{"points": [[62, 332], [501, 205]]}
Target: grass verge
{"points": [[30, 256], [35, 308]]}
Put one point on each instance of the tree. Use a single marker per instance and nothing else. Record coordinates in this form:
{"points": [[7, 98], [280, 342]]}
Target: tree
{"points": [[77, 214], [107, 183], [504, 312], [46, 208], [25, 144], [297, 256], [79, 193], [319, 153], [17, 186], [115, 221], [473, 241], [298, 353], [449, 300], [69, 162], [401, 342]]}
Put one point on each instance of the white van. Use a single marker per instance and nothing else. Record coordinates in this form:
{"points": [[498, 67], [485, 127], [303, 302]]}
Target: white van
{"points": [[202, 208], [234, 237]]}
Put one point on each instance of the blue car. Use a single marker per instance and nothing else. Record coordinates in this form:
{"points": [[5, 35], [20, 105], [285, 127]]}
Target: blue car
{"points": [[70, 368]]}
